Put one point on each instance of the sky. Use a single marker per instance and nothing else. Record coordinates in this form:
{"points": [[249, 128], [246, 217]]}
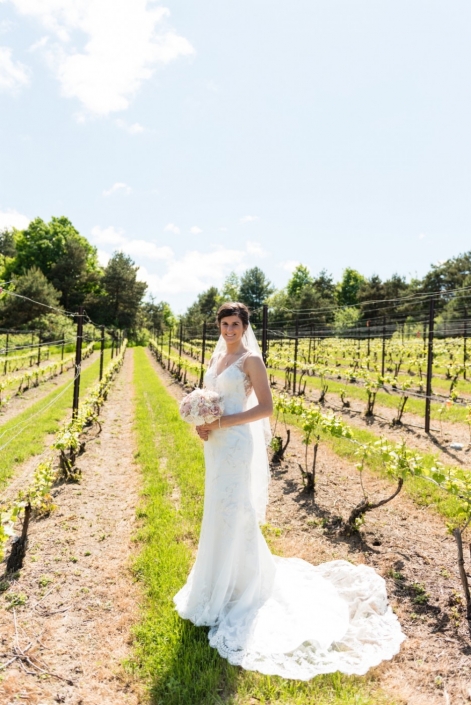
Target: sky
{"points": [[207, 137]]}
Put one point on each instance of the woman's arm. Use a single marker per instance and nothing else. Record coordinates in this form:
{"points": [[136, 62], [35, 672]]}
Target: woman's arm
{"points": [[257, 373]]}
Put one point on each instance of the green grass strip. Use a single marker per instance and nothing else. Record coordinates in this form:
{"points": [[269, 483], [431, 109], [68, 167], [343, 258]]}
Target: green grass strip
{"points": [[33, 430], [456, 414], [170, 654]]}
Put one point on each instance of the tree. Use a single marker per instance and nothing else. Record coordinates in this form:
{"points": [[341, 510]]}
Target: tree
{"points": [[7, 250], [345, 318], [75, 274], [254, 291], [66, 258], [157, 316], [203, 309], [231, 288], [7, 243], [371, 290], [300, 278], [348, 287], [16, 312], [447, 277], [324, 284], [311, 299], [120, 303]]}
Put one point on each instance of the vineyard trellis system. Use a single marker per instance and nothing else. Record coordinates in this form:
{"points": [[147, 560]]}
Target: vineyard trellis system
{"points": [[392, 361], [36, 499], [405, 358], [397, 461]]}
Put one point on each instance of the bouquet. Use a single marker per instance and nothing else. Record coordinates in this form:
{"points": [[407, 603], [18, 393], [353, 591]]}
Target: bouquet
{"points": [[201, 406]]}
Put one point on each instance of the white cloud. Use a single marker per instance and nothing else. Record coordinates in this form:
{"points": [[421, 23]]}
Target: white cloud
{"points": [[103, 257], [5, 26], [39, 44], [172, 228], [13, 75], [140, 249], [195, 230], [195, 271], [168, 274], [105, 50], [289, 265], [108, 236], [134, 129], [12, 219], [118, 186], [421, 236], [249, 219], [255, 248]]}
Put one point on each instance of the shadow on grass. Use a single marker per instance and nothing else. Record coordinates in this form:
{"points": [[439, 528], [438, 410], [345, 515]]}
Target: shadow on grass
{"points": [[196, 674]]}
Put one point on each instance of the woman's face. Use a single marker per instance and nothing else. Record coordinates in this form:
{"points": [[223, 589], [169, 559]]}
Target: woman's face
{"points": [[232, 329]]}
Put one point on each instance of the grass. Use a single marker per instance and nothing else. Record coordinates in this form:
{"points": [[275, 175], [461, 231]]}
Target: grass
{"points": [[30, 438], [456, 414], [170, 654]]}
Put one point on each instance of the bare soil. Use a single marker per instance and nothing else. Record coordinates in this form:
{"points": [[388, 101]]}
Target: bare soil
{"points": [[408, 545], [77, 598]]}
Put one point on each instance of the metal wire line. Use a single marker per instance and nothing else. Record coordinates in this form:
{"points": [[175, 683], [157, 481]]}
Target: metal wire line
{"points": [[63, 312], [27, 422], [418, 296], [35, 346]]}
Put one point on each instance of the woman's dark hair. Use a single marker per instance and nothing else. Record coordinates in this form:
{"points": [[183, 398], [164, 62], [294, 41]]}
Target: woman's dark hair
{"points": [[233, 308]]}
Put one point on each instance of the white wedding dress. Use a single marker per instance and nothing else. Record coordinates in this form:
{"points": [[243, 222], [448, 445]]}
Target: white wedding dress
{"points": [[278, 616]]}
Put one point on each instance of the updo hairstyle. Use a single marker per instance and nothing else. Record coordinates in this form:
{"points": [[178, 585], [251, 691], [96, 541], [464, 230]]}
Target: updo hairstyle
{"points": [[233, 308]]}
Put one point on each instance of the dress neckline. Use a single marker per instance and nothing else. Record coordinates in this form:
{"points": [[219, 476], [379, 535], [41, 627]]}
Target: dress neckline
{"points": [[218, 374]]}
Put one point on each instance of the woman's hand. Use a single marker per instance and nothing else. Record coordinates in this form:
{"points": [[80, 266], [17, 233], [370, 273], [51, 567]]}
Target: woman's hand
{"points": [[204, 435], [204, 429]]}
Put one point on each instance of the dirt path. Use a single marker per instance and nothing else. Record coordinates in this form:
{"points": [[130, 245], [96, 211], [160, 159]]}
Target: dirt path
{"points": [[23, 401], [408, 545], [80, 599]]}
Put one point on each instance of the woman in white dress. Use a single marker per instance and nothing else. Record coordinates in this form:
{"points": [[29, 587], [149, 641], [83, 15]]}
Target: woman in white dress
{"points": [[279, 616]]}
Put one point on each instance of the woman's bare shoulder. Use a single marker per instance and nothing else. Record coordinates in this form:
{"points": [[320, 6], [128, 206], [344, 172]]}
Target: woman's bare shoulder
{"points": [[253, 363]]}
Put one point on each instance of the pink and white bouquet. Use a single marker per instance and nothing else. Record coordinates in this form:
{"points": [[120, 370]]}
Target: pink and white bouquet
{"points": [[201, 406]]}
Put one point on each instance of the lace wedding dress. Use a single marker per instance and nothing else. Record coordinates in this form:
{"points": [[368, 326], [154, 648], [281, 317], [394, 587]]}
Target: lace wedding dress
{"points": [[279, 616]]}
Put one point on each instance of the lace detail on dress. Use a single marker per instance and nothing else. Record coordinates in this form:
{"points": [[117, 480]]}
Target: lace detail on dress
{"points": [[240, 364], [279, 616]]}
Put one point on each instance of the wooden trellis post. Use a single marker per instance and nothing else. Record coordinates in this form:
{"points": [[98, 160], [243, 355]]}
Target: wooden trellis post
{"points": [[429, 364], [78, 362]]}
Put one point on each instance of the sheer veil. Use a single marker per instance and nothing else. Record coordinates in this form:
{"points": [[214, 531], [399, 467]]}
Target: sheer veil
{"points": [[261, 433]]}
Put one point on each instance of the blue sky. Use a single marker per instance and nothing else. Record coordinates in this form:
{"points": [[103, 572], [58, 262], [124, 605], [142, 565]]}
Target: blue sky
{"points": [[207, 137]]}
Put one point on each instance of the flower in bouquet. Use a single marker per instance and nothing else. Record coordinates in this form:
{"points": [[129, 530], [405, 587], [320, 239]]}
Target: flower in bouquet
{"points": [[201, 406]]}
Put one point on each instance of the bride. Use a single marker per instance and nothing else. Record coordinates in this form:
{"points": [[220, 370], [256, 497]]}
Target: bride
{"points": [[279, 616]]}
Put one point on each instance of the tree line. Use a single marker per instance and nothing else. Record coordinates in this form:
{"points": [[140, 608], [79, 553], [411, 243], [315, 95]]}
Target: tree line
{"points": [[51, 263], [54, 267], [319, 302]]}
